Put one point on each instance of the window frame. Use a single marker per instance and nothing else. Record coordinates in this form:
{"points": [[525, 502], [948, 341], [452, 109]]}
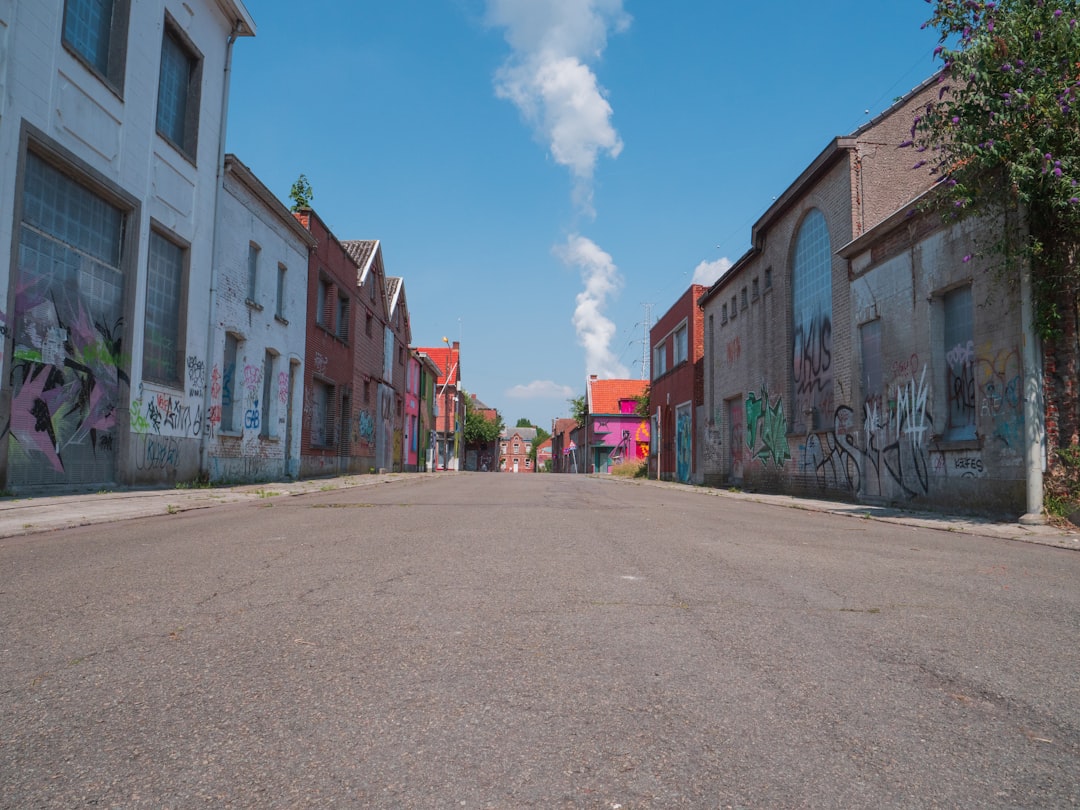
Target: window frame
{"points": [[150, 374], [680, 345], [189, 144], [279, 304], [253, 272], [115, 48]]}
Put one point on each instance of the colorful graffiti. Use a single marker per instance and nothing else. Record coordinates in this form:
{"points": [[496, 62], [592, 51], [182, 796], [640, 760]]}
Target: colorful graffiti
{"points": [[766, 421], [683, 444], [66, 374]]}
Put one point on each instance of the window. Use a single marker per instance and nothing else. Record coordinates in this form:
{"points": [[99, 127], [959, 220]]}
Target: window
{"points": [[371, 286], [755, 291], [253, 270], [734, 306], [660, 360], [282, 275], [811, 349], [768, 278], [229, 384], [401, 355], [267, 395], [723, 314], [71, 248], [178, 90], [873, 388], [743, 297], [321, 417], [343, 317], [959, 364], [322, 300], [163, 346], [96, 32], [367, 324], [367, 391], [681, 349]]}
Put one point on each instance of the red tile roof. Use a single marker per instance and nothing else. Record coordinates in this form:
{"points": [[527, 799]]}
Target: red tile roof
{"points": [[605, 395], [447, 360]]}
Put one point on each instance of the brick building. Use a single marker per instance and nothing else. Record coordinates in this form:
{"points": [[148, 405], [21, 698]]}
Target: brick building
{"points": [[373, 420], [515, 450], [332, 315], [855, 351], [450, 416], [677, 390]]}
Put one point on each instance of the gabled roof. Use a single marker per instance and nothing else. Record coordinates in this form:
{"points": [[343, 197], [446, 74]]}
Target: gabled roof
{"points": [[363, 252], [395, 298], [527, 434], [605, 395]]}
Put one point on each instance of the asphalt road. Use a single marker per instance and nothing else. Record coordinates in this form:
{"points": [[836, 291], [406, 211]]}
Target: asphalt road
{"points": [[500, 641]]}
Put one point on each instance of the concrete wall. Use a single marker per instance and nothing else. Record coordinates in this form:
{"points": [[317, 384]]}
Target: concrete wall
{"points": [[104, 422]]}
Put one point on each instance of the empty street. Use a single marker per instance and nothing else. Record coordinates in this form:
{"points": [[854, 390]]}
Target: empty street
{"points": [[501, 641]]}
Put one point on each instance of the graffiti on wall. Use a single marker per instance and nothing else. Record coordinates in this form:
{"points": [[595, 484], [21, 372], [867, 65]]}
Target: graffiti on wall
{"points": [[683, 443], [999, 378], [766, 429], [67, 371], [812, 368]]}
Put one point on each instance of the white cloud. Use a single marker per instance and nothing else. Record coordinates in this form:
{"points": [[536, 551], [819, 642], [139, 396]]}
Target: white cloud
{"points": [[539, 389], [548, 78], [708, 273], [602, 280]]}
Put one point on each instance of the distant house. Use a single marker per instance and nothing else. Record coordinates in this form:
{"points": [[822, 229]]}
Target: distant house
{"points": [[677, 392], [482, 457], [422, 432], [614, 432], [515, 450], [398, 337], [566, 438], [543, 456], [450, 419]]}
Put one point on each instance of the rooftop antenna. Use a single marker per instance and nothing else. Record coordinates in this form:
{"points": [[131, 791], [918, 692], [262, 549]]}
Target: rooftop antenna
{"points": [[645, 341]]}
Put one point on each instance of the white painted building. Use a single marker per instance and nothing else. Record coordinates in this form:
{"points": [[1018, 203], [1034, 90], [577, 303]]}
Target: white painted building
{"points": [[112, 117], [253, 377]]}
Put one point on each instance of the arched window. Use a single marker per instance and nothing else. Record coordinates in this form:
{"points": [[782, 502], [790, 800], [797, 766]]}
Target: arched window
{"points": [[811, 351]]}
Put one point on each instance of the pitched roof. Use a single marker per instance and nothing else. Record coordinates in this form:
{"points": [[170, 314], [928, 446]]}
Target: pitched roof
{"points": [[527, 434], [605, 395], [363, 252]]}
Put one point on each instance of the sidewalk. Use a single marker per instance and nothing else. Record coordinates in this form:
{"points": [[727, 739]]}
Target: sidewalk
{"points": [[1044, 535], [43, 513]]}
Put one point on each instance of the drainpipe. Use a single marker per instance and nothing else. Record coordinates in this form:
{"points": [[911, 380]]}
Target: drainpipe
{"points": [[204, 446], [1034, 406]]}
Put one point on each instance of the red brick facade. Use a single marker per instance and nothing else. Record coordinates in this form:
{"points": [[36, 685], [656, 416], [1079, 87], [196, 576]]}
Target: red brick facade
{"points": [[678, 386]]}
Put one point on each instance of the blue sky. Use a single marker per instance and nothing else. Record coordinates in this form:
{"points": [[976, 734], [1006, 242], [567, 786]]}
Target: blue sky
{"points": [[539, 170]]}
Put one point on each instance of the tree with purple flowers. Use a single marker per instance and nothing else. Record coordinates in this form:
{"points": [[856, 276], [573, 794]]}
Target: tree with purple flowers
{"points": [[1003, 137]]}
